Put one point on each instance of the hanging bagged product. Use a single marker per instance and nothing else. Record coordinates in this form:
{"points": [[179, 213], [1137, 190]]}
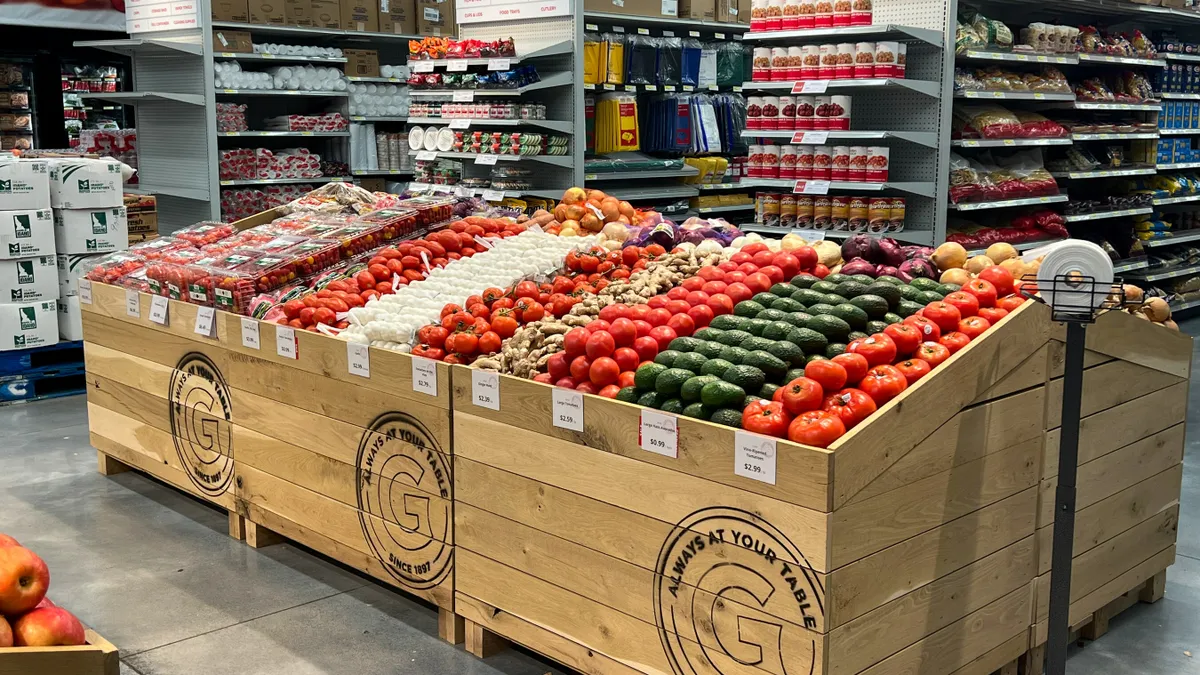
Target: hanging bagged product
{"points": [[708, 66], [690, 73], [617, 123], [614, 44], [592, 61], [730, 67], [589, 122], [641, 60], [670, 60]]}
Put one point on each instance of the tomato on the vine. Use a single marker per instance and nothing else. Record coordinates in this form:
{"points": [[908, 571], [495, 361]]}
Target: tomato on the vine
{"points": [[817, 428], [974, 326], [933, 353], [829, 374], [767, 418], [504, 323], [526, 289], [433, 335], [883, 383], [851, 405], [914, 369], [465, 343], [435, 353], [855, 364], [489, 343], [802, 394], [955, 341]]}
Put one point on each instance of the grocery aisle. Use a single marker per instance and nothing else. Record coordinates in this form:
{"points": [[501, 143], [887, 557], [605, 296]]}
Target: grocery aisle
{"points": [[155, 572]]}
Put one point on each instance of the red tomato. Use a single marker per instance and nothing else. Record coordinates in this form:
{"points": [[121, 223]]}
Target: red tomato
{"points": [[559, 366], [767, 418], [831, 375], [883, 383], [802, 394], [504, 323], [543, 378], [500, 303], [678, 306], [933, 353], [663, 336], [945, 315], [999, 277], [429, 352], [714, 287], [974, 326], [600, 343], [463, 343], [433, 336], [778, 395], [489, 343], [365, 280], [967, 304], [906, 337], [817, 428], [738, 292], [806, 256], [479, 310], [983, 290], [788, 263], [682, 324], [614, 311], [575, 342], [657, 302], [748, 268], [587, 387], [728, 266], [697, 298], [855, 364], [659, 317], [677, 293], [638, 312], [914, 369], [754, 247], [626, 379], [579, 368], [758, 283], [1010, 303], [928, 329], [761, 258], [610, 391], [626, 358], [450, 309], [820, 271], [566, 382], [773, 273], [692, 284], [735, 277], [878, 348], [643, 328], [604, 371], [646, 348], [526, 289], [598, 324], [955, 341], [710, 273], [623, 331], [851, 405], [701, 315], [993, 314], [720, 303]]}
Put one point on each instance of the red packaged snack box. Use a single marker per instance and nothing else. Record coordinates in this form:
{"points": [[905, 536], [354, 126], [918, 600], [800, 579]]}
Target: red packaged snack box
{"points": [[109, 268], [396, 222], [233, 291], [201, 276], [357, 239], [204, 233], [313, 255], [270, 271], [430, 210]]}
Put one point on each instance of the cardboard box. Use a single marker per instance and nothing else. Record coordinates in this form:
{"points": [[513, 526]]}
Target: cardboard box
{"points": [[141, 213], [437, 18], [29, 279], [298, 12], [729, 11], [231, 10], [85, 183], [24, 184], [267, 12], [139, 238], [70, 318], [326, 14], [232, 41], [72, 268], [361, 62], [25, 234], [651, 8], [25, 325], [360, 15], [698, 9], [396, 17], [90, 230]]}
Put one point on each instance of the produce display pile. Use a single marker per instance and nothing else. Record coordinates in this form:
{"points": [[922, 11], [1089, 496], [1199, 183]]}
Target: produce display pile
{"points": [[27, 617]]}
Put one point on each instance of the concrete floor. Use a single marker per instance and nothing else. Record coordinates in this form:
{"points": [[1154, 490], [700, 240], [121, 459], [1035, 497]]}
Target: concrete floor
{"points": [[155, 572]]}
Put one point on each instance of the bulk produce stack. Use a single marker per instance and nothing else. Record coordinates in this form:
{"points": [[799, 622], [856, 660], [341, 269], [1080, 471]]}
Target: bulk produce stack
{"points": [[27, 299]]}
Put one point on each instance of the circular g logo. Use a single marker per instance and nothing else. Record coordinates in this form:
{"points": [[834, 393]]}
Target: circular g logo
{"points": [[400, 469], [200, 414], [730, 594]]}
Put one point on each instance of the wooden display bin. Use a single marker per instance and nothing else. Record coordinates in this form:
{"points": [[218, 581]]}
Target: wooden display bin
{"points": [[357, 468], [913, 544], [97, 657]]}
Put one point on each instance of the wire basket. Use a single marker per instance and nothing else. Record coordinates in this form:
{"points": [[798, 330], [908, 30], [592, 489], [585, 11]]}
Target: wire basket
{"points": [[1110, 296]]}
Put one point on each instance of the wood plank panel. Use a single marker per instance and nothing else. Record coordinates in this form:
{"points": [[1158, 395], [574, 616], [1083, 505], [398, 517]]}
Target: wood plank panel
{"points": [[1106, 386], [856, 589], [971, 434], [1033, 371], [902, 423], [705, 450], [1131, 339], [868, 526], [994, 660], [1120, 425], [670, 496], [879, 633]]}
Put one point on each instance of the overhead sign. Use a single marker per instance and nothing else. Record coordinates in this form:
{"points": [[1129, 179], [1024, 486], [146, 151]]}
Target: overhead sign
{"points": [[481, 11]]}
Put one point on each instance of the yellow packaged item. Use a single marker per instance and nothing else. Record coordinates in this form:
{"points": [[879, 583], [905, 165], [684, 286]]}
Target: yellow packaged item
{"points": [[615, 58], [721, 169], [591, 59]]}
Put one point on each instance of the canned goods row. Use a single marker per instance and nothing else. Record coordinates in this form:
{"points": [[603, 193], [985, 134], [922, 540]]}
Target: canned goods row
{"points": [[800, 14], [842, 61], [820, 162], [800, 113], [844, 214]]}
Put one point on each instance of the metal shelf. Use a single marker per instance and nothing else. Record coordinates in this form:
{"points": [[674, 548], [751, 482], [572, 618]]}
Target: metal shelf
{"points": [[910, 236], [1105, 173], [286, 134], [1171, 95], [725, 209], [1096, 105], [555, 80], [388, 80], [553, 125], [364, 118], [1005, 203], [634, 194], [280, 92], [1021, 57], [1168, 273], [135, 97], [1178, 132], [185, 193], [921, 189], [557, 160], [1132, 136], [720, 186], [1015, 95], [144, 47], [285, 181], [653, 88], [382, 172], [1178, 165], [1179, 306], [300, 31], [926, 87], [882, 30], [1184, 199], [1173, 239], [1024, 246], [1009, 142], [1171, 56], [928, 139], [553, 50], [686, 172], [1105, 59], [1103, 215], [1130, 265], [286, 58], [628, 19]]}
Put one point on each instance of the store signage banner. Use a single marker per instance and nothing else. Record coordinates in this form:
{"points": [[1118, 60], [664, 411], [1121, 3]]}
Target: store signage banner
{"points": [[152, 16], [480, 11], [88, 15]]}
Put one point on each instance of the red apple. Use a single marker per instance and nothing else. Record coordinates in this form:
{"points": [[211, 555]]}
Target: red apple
{"points": [[24, 579], [6, 541], [6, 636], [48, 627]]}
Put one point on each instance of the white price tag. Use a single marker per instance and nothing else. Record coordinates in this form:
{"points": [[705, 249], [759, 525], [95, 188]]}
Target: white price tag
{"points": [[426, 155], [488, 160], [591, 27], [668, 87], [499, 64], [493, 195], [754, 456], [85, 291], [483, 242], [158, 310], [485, 389], [424, 375], [133, 303], [460, 124], [464, 95], [810, 137], [285, 342], [719, 36], [811, 187], [643, 31], [693, 33], [651, 87], [456, 66], [566, 411], [810, 87], [423, 67], [250, 334], [659, 433], [668, 33], [358, 359], [205, 321], [618, 29]]}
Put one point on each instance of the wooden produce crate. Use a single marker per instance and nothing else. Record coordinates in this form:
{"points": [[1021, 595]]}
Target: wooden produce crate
{"points": [[357, 468], [97, 657], [908, 546]]}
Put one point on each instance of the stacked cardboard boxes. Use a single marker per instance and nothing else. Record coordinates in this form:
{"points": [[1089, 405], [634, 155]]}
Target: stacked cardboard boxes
{"points": [[27, 299], [395, 17], [142, 217], [90, 219]]}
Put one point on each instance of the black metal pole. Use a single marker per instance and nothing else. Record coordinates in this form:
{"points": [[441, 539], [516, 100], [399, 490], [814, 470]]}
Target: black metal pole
{"points": [[1064, 507]]}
